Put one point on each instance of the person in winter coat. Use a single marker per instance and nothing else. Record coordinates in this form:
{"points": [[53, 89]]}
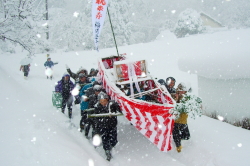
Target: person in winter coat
{"points": [[75, 76], [84, 105], [180, 131], [85, 92], [65, 86], [106, 127], [90, 91], [83, 80], [92, 101], [48, 65], [92, 73], [25, 69], [170, 83]]}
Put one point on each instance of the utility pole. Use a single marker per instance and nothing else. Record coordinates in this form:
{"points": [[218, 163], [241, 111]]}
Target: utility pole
{"points": [[47, 26], [47, 18]]}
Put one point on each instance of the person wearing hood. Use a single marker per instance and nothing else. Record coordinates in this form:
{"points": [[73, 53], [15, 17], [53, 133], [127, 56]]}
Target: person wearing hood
{"points": [[106, 127], [75, 76], [65, 86], [180, 130]]}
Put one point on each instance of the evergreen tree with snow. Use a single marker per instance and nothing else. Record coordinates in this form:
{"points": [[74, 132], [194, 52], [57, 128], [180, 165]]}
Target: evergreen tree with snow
{"points": [[189, 23], [71, 31]]}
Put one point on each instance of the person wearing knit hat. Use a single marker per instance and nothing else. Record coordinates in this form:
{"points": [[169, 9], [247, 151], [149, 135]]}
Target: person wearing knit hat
{"points": [[106, 126]]}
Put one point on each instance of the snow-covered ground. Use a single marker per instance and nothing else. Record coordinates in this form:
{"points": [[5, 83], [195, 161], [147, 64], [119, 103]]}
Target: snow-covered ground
{"points": [[33, 132]]}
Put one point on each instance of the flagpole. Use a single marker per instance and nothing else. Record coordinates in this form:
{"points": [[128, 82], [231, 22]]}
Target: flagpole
{"points": [[113, 32]]}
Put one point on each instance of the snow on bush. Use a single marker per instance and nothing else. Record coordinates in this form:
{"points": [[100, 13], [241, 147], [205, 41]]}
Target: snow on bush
{"points": [[189, 22], [190, 104]]}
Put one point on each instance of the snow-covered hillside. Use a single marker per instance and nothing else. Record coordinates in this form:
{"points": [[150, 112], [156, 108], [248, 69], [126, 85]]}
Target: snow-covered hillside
{"points": [[33, 132]]}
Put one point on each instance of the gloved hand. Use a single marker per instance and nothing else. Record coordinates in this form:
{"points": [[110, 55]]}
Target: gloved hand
{"points": [[67, 67]]}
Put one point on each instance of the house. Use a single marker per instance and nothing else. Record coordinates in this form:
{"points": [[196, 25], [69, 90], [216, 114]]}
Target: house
{"points": [[209, 21], [191, 22]]}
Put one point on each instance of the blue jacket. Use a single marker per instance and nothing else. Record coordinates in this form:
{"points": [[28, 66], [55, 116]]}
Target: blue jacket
{"points": [[49, 64], [84, 104]]}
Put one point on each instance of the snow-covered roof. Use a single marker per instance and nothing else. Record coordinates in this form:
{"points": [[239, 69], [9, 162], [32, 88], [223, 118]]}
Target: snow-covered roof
{"points": [[223, 55], [212, 19]]}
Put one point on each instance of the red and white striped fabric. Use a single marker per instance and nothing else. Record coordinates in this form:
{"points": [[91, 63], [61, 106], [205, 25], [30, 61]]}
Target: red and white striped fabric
{"points": [[153, 120]]}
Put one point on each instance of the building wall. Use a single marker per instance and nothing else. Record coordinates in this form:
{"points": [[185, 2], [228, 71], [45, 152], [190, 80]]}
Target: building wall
{"points": [[229, 98], [209, 22]]}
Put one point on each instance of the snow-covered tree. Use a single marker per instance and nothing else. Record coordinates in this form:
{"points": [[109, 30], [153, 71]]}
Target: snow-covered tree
{"points": [[68, 31], [189, 22], [20, 24], [72, 31], [119, 15]]}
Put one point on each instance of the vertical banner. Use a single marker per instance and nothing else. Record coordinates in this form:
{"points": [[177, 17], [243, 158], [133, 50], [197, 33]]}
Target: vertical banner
{"points": [[99, 9]]}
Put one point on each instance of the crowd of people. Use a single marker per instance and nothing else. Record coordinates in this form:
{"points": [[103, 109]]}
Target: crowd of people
{"points": [[92, 97]]}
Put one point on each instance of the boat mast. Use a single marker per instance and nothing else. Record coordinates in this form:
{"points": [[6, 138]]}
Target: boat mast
{"points": [[113, 32]]}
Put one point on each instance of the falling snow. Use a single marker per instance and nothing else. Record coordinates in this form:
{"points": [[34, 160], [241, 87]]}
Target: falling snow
{"points": [[31, 127]]}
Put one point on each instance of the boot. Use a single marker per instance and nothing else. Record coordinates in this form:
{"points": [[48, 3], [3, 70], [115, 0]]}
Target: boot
{"points": [[62, 111], [179, 149], [108, 154], [81, 130], [87, 127], [70, 113]]}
